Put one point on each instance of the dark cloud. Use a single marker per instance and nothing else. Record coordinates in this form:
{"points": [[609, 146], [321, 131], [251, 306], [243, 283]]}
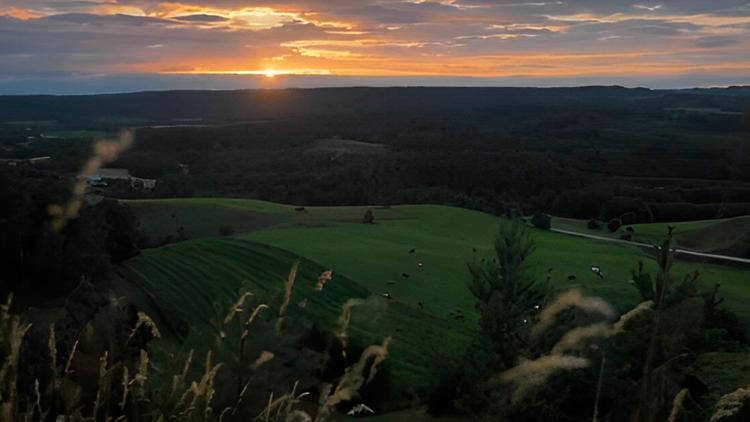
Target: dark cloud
{"points": [[719, 41], [116, 19], [201, 18]]}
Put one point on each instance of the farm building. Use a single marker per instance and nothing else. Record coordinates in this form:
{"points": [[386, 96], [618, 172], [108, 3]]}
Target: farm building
{"points": [[110, 176]]}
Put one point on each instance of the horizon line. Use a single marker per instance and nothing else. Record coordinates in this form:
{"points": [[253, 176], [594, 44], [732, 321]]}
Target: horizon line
{"points": [[375, 87], [127, 83]]}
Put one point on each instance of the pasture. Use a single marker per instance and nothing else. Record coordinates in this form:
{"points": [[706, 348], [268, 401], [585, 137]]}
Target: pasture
{"points": [[416, 254], [443, 238], [194, 283]]}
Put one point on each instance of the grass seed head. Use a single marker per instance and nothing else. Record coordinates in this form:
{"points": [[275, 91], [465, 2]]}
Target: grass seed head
{"points": [[571, 299]]}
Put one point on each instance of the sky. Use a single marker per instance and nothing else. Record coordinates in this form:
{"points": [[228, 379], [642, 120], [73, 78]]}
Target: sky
{"points": [[71, 46]]}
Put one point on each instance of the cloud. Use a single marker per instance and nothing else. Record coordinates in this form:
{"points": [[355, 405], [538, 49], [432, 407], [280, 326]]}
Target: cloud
{"points": [[653, 8], [557, 40], [95, 19], [201, 17], [718, 41]]}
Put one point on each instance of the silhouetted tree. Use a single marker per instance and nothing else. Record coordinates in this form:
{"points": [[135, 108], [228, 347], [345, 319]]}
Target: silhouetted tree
{"points": [[38, 261]]}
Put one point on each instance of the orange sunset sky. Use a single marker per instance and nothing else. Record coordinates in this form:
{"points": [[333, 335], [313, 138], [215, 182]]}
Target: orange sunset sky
{"points": [[698, 42]]}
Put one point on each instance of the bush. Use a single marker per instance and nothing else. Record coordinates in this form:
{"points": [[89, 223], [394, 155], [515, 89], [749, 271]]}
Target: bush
{"points": [[626, 236], [369, 217], [614, 225], [541, 220], [594, 224]]}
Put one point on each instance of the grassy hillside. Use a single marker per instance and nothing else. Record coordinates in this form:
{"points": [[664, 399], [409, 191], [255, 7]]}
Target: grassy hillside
{"points": [[194, 283], [204, 217], [444, 239], [188, 278], [729, 236]]}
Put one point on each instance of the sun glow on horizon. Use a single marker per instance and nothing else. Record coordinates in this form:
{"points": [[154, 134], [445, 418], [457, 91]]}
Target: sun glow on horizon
{"points": [[268, 72]]}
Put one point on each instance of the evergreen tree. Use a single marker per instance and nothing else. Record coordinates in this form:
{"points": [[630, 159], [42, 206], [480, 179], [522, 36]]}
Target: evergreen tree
{"points": [[505, 295], [506, 299]]}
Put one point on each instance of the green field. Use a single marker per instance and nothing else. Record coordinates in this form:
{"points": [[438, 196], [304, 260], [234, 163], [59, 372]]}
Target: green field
{"points": [[192, 284], [444, 239], [190, 277]]}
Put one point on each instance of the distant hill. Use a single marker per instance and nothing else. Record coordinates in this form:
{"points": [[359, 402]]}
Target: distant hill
{"points": [[588, 152], [169, 106]]}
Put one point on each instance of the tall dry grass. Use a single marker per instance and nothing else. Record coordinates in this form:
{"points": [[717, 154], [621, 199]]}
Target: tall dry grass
{"points": [[345, 318], [571, 299], [577, 338], [289, 287], [354, 377], [62, 397], [12, 332], [125, 390], [531, 374], [104, 152], [678, 405], [730, 406], [284, 408]]}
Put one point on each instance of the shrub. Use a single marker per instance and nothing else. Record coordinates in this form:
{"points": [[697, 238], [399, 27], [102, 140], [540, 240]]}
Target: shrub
{"points": [[626, 236], [541, 220], [594, 224], [368, 218], [614, 225]]}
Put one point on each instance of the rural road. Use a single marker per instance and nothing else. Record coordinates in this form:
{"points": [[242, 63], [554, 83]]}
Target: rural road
{"points": [[647, 245]]}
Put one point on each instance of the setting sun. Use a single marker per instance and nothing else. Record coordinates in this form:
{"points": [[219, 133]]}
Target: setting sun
{"points": [[269, 73]]}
